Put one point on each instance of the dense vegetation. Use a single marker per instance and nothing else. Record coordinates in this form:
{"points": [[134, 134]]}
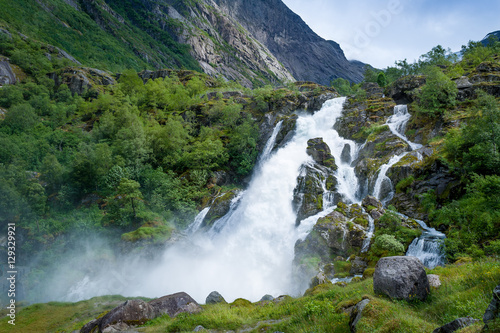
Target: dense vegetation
{"points": [[114, 46], [135, 160]]}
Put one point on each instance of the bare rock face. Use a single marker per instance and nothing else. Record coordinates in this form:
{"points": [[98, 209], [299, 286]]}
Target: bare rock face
{"points": [[7, 76], [401, 278], [306, 55]]}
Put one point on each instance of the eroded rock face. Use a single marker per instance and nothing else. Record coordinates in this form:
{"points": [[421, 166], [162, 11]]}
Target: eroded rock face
{"points": [[314, 180], [401, 278], [404, 90], [7, 76]]}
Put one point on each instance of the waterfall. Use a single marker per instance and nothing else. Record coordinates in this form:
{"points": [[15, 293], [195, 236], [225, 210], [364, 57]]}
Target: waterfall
{"points": [[369, 234], [198, 220], [428, 247], [249, 252], [397, 124]]}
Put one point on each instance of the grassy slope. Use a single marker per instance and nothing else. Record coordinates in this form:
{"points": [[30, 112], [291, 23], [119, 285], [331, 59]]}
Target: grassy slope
{"points": [[466, 290], [114, 49]]}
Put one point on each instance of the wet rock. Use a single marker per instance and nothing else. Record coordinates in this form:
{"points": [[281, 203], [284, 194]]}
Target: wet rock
{"points": [[175, 304], [214, 298], [219, 207], [373, 206], [358, 266], [456, 325], [493, 310], [401, 278], [320, 278], [287, 130], [320, 152], [356, 314], [308, 194], [345, 157]]}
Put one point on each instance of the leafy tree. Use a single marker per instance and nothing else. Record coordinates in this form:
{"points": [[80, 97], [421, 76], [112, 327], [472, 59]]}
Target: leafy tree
{"points": [[370, 74], [342, 86], [438, 92], [381, 79]]}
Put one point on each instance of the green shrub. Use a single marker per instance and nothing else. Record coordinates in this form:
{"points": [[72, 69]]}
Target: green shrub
{"points": [[388, 244]]}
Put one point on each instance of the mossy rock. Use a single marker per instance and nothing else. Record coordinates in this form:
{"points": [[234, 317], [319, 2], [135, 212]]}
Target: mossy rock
{"points": [[368, 273], [241, 302]]}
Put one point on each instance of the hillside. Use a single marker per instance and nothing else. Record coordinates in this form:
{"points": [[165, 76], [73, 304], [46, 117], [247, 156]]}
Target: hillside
{"points": [[233, 42], [155, 182]]}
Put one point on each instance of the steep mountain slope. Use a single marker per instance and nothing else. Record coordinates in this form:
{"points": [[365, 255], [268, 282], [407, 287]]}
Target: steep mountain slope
{"points": [[307, 56], [219, 43], [252, 42]]}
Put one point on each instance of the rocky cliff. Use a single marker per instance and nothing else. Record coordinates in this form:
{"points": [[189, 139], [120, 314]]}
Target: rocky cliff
{"points": [[305, 54]]}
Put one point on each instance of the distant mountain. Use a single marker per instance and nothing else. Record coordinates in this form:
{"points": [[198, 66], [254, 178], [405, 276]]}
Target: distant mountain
{"points": [[496, 34], [305, 54], [254, 42]]}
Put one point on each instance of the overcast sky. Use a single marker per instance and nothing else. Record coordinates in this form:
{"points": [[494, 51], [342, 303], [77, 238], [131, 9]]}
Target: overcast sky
{"points": [[379, 32]]}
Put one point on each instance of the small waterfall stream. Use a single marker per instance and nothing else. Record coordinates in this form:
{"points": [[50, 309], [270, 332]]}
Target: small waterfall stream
{"points": [[427, 247]]}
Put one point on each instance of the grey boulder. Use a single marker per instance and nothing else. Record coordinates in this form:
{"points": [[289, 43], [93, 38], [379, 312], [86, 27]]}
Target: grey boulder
{"points": [[401, 278]]}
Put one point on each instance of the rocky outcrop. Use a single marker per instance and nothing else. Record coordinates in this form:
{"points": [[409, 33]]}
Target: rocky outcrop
{"points": [[314, 180], [137, 312], [334, 235], [356, 314], [456, 325], [82, 79], [215, 298], [405, 90], [358, 266], [321, 153], [493, 310], [306, 55], [220, 207], [401, 278], [7, 76]]}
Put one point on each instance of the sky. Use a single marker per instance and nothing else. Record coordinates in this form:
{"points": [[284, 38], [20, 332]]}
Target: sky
{"points": [[379, 32]]}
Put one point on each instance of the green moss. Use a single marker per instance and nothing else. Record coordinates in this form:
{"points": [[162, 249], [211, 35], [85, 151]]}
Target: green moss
{"points": [[403, 184], [155, 234]]}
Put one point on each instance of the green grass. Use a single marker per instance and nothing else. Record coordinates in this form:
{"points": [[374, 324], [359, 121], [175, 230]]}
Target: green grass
{"points": [[466, 291]]}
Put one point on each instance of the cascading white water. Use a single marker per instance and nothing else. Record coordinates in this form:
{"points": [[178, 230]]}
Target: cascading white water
{"points": [[428, 247], [369, 234], [249, 252], [397, 124], [198, 220]]}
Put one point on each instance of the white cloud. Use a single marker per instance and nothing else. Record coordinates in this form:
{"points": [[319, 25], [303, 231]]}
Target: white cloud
{"points": [[366, 34]]}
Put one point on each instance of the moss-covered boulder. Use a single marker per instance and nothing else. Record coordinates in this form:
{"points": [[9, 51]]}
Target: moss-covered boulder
{"points": [[82, 79], [220, 207], [321, 153]]}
